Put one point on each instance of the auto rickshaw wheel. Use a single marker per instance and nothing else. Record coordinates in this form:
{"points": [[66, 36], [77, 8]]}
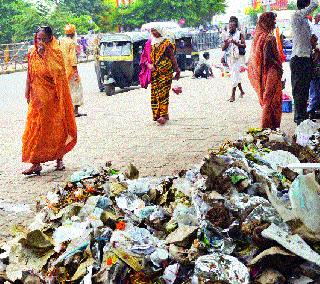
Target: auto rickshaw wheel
{"points": [[110, 89]]}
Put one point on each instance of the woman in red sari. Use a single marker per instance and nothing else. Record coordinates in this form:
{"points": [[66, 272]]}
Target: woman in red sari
{"points": [[265, 71], [50, 130]]}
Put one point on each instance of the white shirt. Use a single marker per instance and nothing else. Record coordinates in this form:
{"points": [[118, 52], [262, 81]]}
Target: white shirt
{"points": [[301, 31], [203, 61], [316, 30]]}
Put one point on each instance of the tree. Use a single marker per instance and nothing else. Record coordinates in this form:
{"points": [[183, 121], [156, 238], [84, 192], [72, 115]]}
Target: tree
{"points": [[25, 24], [8, 9], [195, 12], [253, 14], [292, 5]]}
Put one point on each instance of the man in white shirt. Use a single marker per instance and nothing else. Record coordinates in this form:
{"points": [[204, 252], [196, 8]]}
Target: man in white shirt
{"points": [[301, 57], [203, 68]]}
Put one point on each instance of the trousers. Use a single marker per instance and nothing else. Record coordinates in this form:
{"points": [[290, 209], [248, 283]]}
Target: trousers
{"points": [[300, 80]]}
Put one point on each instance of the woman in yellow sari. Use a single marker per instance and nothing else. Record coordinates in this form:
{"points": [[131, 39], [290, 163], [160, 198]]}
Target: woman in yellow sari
{"points": [[162, 67], [50, 130], [68, 48]]}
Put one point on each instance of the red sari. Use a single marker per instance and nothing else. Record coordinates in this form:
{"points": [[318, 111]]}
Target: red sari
{"points": [[265, 72]]}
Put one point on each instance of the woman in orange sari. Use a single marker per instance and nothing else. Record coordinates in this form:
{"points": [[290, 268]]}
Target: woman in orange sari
{"points": [[265, 71], [50, 130]]}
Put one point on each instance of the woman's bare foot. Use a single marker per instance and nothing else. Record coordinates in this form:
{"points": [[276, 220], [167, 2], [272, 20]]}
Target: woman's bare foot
{"points": [[60, 166], [232, 99], [162, 120], [34, 170], [242, 95]]}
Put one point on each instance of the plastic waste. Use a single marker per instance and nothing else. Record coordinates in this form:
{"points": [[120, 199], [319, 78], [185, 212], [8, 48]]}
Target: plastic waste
{"points": [[184, 215], [159, 256], [87, 172], [305, 130], [293, 243], [305, 201], [70, 231], [219, 267], [281, 159], [170, 274], [139, 186]]}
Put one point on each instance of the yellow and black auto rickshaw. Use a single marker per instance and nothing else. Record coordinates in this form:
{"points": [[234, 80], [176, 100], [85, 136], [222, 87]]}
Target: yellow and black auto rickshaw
{"points": [[117, 64]]}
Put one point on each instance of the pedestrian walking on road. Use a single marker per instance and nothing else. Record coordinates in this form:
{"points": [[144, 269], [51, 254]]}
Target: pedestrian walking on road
{"points": [[265, 71], [68, 46], [50, 130], [234, 48], [162, 67], [301, 63]]}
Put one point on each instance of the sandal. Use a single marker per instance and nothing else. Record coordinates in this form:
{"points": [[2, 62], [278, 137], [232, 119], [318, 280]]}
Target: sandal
{"points": [[231, 100], [242, 95], [80, 114], [34, 170]]}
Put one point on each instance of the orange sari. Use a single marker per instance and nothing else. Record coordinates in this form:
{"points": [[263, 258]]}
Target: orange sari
{"points": [[265, 72], [50, 130]]}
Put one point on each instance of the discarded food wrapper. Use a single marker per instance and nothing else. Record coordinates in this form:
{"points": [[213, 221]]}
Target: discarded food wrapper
{"points": [[217, 267]]}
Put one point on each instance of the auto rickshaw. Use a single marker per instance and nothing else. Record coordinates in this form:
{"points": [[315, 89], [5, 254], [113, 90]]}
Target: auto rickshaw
{"points": [[183, 42], [118, 61]]}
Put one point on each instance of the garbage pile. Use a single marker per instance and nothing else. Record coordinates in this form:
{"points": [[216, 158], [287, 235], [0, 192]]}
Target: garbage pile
{"points": [[242, 217]]}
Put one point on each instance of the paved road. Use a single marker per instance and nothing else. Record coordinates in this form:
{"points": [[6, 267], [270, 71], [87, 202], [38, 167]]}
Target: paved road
{"points": [[120, 129]]}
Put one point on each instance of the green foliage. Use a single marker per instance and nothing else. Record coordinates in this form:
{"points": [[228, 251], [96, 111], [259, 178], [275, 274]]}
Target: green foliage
{"points": [[253, 14], [195, 12], [8, 10], [292, 5], [25, 24], [19, 18]]}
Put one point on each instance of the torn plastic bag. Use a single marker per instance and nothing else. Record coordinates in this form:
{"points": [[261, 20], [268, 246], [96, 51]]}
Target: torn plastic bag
{"points": [[215, 239], [305, 201], [293, 243], [281, 159], [305, 130], [71, 231], [184, 215], [171, 273], [87, 172], [139, 186], [263, 213], [241, 202], [220, 267]]}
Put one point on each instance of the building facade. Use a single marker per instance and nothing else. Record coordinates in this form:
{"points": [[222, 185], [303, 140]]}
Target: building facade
{"points": [[274, 4]]}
